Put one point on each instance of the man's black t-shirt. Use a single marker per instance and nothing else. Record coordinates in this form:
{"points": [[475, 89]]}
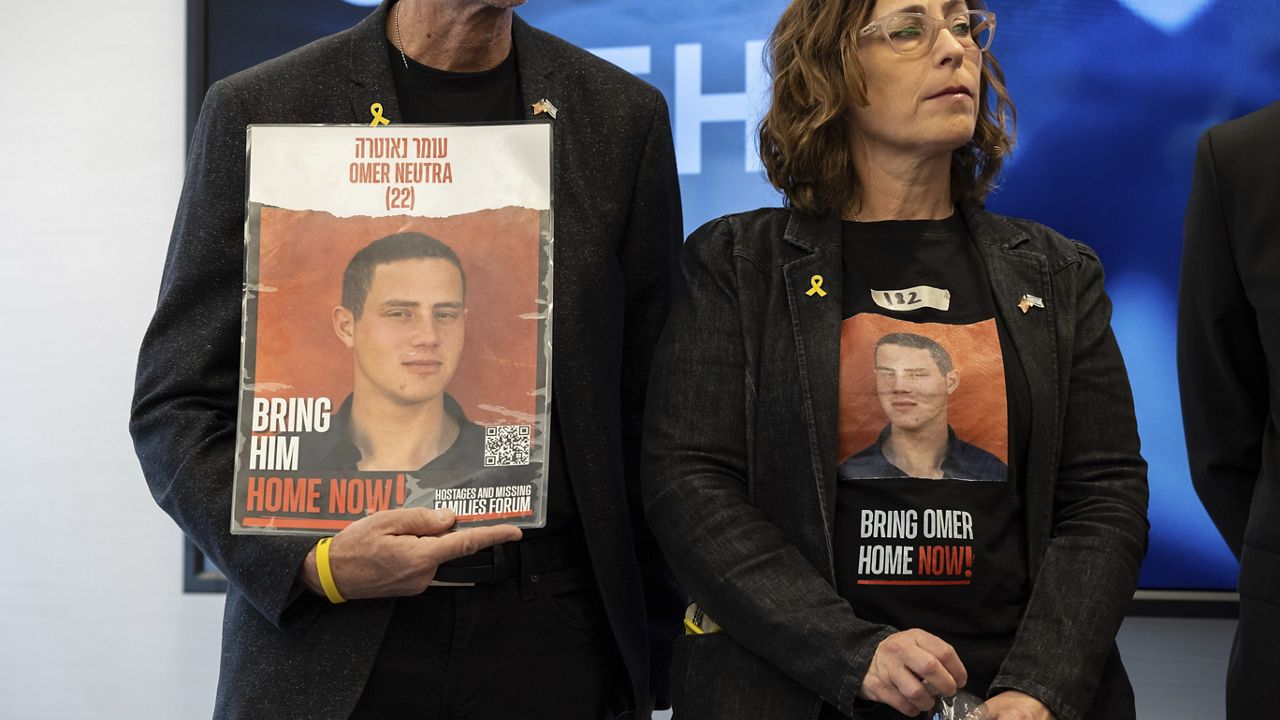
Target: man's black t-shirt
{"points": [[933, 415], [429, 95]]}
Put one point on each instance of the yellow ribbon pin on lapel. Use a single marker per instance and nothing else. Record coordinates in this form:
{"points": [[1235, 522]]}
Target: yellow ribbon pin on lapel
{"points": [[376, 109], [815, 287]]}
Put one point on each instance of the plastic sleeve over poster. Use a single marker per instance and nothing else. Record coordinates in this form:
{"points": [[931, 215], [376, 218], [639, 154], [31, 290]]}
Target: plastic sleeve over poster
{"points": [[396, 347]]}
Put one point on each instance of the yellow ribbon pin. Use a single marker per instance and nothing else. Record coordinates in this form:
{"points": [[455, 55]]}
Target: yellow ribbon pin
{"points": [[376, 109], [815, 286]]}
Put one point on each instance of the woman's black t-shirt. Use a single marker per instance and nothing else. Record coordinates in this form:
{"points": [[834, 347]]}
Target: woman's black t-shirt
{"points": [[929, 529]]}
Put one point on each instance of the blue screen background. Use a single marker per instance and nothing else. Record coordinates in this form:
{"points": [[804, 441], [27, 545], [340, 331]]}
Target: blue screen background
{"points": [[1111, 95]]}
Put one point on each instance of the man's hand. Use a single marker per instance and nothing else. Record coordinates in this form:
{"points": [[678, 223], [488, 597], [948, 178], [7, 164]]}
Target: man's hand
{"points": [[395, 553], [1013, 705], [903, 662]]}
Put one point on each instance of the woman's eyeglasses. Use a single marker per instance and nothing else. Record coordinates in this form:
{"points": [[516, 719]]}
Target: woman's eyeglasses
{"points": [[911, 33]]}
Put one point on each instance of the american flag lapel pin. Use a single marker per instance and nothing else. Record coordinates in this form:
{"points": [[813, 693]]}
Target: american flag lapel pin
{"points": [[545, 106], [1029, 301]]}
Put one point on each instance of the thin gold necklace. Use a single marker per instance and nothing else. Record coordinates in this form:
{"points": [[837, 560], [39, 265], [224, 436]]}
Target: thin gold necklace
{"points": [[395, 15]]}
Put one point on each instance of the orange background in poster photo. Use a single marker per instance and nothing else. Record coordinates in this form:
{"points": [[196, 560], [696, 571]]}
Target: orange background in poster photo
{"points": [[977, 410], [303, 255]]}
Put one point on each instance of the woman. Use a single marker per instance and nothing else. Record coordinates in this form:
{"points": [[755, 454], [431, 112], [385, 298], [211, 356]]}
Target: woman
{"points": [[890, 446]]}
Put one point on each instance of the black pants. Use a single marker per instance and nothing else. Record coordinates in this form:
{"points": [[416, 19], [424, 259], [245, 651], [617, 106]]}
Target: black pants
{"points": [[1251, 682], [534, 646]]}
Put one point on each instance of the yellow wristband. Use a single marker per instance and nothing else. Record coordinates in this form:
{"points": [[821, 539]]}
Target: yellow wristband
{"points": [[326, 573]]}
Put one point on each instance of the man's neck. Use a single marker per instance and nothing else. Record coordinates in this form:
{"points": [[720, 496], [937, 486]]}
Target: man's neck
{"points": [[391, 436], [451, 35], [920, 452]]}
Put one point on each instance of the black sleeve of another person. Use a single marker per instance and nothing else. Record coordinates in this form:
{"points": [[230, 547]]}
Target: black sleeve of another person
{"points": [[1222, 370], [649, 258]]}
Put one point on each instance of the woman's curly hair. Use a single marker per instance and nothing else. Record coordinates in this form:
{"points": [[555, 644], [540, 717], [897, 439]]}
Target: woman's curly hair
{"points": [[817, 77]]}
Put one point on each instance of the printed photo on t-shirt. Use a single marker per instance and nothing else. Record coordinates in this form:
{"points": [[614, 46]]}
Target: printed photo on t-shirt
{"points": [[922, 400]]}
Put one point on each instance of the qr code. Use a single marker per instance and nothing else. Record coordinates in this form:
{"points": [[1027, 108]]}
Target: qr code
{"points": [[506, 445]]}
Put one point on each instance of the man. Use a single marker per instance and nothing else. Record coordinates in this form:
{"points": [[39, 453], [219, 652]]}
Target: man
{"points": [[1229, 372], [578, 615], [914, 381]]}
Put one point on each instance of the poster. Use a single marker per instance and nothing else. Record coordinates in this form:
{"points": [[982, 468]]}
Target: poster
{"points": [[397, 324]]}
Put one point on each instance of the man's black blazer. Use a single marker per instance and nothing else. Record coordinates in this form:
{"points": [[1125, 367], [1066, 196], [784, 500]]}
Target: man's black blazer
{"points": [[617, 225], [1229, 337], [1229, 372]]}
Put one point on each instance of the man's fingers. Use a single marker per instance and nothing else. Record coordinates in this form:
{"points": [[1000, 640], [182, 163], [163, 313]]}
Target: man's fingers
{"points": [[395, 553], [462, 543], [413, 521], [946, 655]]}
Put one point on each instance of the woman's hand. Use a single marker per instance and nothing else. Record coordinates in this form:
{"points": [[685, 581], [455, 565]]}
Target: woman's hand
{"points": [[903, 663], [1013, 705]]}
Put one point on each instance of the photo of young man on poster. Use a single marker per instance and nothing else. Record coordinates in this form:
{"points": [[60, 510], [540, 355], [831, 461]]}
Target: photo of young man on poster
{"points": [[403, 317], [915, 378]]}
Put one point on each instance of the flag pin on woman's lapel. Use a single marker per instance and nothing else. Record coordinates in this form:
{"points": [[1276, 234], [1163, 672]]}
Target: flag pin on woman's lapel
{"points": [[1029, 301]]}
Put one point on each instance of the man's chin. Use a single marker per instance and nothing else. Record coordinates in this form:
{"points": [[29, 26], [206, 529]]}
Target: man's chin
{"points": [[905, 426], [414, 399]]}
